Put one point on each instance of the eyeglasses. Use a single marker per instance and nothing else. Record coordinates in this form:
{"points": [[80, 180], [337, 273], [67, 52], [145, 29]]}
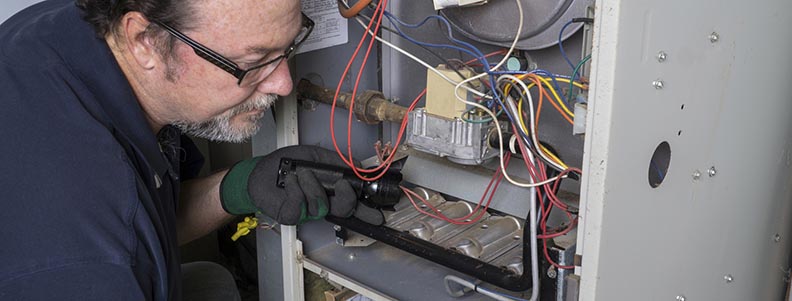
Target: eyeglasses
{"points": [[250, 76]]}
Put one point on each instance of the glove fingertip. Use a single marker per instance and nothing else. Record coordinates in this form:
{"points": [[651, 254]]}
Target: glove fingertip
{"points": [[292, 213], [345, 199], [369, 215]]}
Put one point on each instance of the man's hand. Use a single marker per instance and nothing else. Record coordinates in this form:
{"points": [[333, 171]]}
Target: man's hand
{"points": [[250, 186]]}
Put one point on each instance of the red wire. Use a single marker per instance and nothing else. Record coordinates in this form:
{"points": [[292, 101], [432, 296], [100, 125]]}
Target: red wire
{"points": [[554, 202], [338, 89], [378, 13], [459, 221], [496, 179], [385, 165]]}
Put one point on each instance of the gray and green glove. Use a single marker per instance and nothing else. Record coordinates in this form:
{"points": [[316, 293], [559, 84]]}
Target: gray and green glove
{"points": [[250, 186]]}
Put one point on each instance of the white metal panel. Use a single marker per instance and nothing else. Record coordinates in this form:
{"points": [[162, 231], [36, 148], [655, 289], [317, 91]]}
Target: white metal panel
{"points": [[724, 103]]}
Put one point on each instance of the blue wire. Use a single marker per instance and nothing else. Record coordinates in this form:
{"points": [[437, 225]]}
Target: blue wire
{"points": [[561, 45], [394, 20], [479, 56], [552, 79]]}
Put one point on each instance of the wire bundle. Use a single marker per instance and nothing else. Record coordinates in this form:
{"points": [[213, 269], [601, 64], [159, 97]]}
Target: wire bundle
{"points": [[506, 95]]}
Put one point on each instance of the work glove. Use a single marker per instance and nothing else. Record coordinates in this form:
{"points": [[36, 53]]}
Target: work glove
{"points": [[250, 187]]}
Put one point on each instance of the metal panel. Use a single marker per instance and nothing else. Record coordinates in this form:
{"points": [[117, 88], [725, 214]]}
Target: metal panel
{"points": [[691, 238], [400, 81], [324, 67], [10, 7], [385, 270]]}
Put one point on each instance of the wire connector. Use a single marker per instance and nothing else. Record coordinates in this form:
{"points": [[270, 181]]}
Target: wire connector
{"points": [[244, 227], [441, 4]]}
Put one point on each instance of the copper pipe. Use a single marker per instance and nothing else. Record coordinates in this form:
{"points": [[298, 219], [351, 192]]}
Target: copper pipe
{"points": [[370, 106]]}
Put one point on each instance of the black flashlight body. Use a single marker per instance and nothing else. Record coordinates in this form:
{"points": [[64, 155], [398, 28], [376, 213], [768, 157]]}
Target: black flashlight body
{"points": [[384, 192]]}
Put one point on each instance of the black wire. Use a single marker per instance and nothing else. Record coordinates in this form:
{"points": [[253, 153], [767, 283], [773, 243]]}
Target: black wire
{"points": [[583, 20]]}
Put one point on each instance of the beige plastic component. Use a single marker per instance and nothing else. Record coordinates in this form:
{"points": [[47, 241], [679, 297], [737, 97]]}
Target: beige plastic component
{"points": [[440, 99]]}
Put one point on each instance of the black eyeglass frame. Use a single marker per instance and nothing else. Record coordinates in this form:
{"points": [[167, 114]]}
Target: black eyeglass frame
{"points": [[227, 64]]}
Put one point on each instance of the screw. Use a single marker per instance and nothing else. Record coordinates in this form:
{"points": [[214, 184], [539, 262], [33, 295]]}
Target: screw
{"points": [[680, 298], [551, 272], [661, 56], [336, 227], [339, 241], [696, 175], [714, 37], [728, 278], [777, 237], [658, 84], [711, 171], [323, 274]]}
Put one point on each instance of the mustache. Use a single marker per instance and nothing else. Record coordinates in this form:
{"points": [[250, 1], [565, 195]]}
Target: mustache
{"points": [[258, 102]]}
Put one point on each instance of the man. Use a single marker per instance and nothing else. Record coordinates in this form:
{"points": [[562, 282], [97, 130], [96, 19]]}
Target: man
{"points": [[95, 95]]}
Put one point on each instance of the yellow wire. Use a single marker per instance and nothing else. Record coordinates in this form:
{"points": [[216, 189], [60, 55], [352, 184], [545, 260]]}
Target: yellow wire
{"points": [[555, 94], [522, 125], [547, 84], [545, 81], [566, 80]]}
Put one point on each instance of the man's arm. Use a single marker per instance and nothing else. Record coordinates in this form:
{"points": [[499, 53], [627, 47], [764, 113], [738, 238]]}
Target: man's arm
{"points": [[200, 210]]}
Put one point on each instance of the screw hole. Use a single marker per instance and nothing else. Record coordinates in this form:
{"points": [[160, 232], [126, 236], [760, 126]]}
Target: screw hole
{"points": [[682, 107], [679, 133]]}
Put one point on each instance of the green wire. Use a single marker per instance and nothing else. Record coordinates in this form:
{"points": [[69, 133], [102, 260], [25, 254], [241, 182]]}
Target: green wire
{"points": [[571, 81], [486, 120]]}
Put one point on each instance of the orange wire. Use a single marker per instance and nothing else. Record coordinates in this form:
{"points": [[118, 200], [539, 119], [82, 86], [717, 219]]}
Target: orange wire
{"points": [[354, 10], [542, 93], [555, 105]]}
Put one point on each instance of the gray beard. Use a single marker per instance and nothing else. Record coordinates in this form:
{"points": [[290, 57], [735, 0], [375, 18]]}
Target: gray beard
{"points": [[219, 128]]}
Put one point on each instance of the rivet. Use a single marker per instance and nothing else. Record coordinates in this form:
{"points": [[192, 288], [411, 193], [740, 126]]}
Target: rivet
{"points": [[711, 171], [661, 56], [657, 84], [714, 37], [680, 298], [777, 237], [728, 278], [696, 175]]}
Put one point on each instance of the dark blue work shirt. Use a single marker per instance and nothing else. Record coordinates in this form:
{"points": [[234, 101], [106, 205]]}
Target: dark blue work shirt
{"points": [[88, 193]]}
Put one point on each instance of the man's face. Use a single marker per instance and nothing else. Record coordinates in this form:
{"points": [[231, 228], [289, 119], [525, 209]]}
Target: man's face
{"points": [[204, 100]]}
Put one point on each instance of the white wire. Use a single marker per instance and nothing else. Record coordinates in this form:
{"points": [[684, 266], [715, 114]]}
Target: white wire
{"points": [[419, 61], [461, 84], [495, 118], [516, 38], [513, 107]]}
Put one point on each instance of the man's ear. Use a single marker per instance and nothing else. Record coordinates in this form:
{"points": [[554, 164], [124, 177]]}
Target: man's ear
{"points": [[142, 47]]}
